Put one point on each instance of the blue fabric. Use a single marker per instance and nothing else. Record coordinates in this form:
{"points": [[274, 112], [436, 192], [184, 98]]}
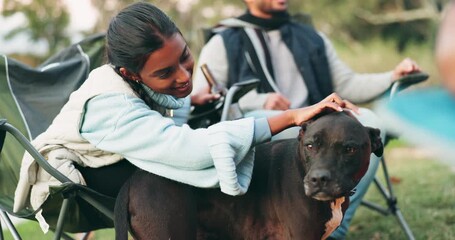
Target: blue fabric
{"points": [[182, 114], [425, 118], [164, 100], [262, 132], [431, 109]]}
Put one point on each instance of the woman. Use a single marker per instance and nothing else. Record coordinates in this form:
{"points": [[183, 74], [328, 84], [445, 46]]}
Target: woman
{"points": [[122, 112]]}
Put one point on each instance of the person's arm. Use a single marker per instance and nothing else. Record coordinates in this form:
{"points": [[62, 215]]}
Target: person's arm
{"points": [[123, 124], [355, 87]]}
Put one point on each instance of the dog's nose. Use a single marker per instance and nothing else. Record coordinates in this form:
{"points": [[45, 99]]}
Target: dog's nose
{"points": [[320, 177]]}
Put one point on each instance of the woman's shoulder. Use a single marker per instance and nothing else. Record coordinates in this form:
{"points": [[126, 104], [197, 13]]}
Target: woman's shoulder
{"points": [[103, 80], [115, 100], [106, 110]]}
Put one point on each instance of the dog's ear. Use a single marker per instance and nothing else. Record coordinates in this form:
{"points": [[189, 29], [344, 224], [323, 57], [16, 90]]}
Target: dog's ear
{"points": [[303, 129], [376, 143]]}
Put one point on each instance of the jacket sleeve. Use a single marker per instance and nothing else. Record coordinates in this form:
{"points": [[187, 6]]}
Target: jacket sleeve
{"points": [[355, 87]]}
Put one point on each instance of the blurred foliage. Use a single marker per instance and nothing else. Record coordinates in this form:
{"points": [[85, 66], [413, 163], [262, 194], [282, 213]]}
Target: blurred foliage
{"points": [[400, 21], [46, 20], [189, 15], [403, 21]]}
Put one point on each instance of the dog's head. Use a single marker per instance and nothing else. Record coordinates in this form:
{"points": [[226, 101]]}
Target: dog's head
{"points": [[335, 150]]}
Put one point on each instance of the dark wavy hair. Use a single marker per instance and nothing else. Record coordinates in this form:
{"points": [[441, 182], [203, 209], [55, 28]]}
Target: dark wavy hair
{"points": [[133, 34]]}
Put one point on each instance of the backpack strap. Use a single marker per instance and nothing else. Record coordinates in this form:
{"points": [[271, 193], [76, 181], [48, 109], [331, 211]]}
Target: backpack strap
{"points": [[258, 57]]}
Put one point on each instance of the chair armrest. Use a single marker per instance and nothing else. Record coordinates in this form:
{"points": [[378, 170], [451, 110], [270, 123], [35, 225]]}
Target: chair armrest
{"points": [[6, 127], [235, 92], [407, 81]]}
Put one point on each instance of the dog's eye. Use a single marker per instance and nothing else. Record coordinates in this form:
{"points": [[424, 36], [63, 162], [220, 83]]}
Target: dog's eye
{"points": [[350, 149], [309, 147]]}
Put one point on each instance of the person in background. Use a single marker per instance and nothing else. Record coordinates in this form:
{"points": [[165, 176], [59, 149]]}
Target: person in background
{"points": [[445, 48], [426, 117], [121, 119], [297, 66]]}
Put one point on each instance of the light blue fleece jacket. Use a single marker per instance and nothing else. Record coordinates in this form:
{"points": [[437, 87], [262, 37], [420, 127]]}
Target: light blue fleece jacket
{"points": [[125, 125]]}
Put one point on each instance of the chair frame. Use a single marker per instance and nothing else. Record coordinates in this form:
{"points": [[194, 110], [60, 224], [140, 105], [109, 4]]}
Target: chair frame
{"points": [[92, 52], [5, 127], [390, 199], [385, 187]]}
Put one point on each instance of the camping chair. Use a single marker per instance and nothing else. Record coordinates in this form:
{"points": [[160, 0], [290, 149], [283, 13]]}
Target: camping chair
{"points": [[29, 100], [385, 186]]}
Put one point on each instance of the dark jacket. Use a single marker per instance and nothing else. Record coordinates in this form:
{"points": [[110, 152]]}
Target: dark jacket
{"points": [[303, 42]]}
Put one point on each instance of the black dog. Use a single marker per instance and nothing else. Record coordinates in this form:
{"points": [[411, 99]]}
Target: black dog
{"points": [[299, 190]]}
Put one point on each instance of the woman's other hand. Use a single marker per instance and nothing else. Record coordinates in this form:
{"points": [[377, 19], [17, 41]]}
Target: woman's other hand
{"points": [[203, 97]]}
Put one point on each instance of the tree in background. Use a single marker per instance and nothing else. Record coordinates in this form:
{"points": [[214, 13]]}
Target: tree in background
{"points": [[106, 10], [46, 20], [191, 16], [402, 21]]}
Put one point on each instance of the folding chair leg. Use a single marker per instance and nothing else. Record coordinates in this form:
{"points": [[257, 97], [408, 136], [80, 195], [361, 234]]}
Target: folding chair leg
{"points": [[61, 218], [10, 225], [1, 231], [404, 224], [66, 236], [391, 200]]}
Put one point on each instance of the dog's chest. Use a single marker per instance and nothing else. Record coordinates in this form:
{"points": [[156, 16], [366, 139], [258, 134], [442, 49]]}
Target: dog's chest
{"points": [[337, 216]]}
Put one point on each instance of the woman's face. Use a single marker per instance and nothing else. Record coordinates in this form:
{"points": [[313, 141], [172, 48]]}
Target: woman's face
{"points": [[169, 69]]}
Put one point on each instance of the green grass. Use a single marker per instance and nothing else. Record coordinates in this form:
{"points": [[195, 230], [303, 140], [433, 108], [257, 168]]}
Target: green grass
{"points": [[30, 230], [425, 189]]}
